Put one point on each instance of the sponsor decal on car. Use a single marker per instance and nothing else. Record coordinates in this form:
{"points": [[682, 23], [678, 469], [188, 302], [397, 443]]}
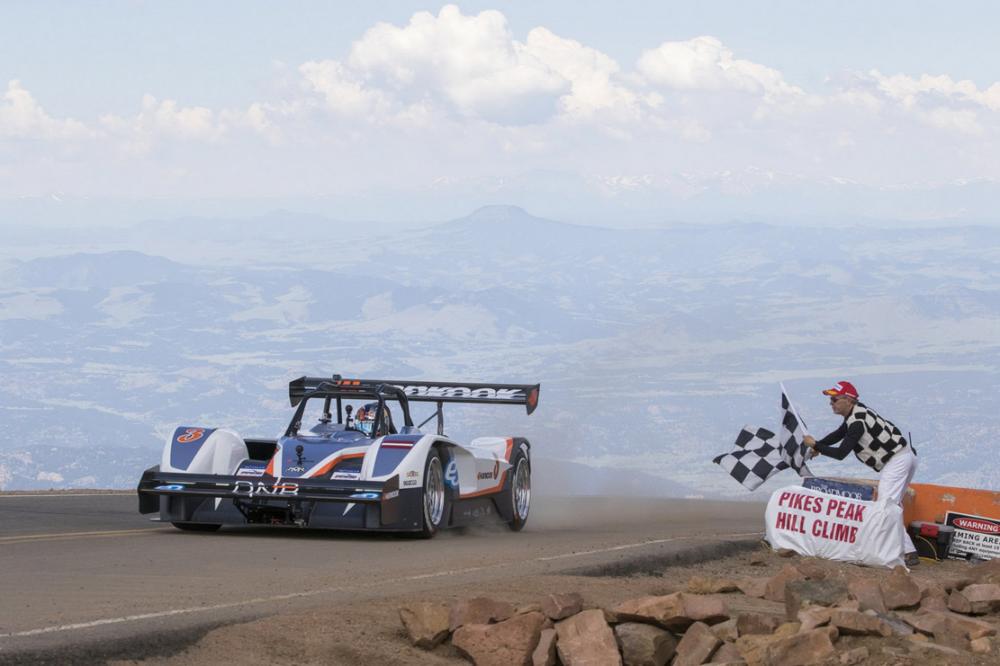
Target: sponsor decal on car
{"points": [[295, 469], [250, 471], [365, 496], [451, 474], [391, 495], [490, 476], [463, 392], [350, 476], [172, 486], [259, 488], [412, 474], [410, 483], [191, 435]]}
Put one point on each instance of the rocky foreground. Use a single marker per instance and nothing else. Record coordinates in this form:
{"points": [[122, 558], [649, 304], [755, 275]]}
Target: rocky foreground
{"points": [[809, 612]]}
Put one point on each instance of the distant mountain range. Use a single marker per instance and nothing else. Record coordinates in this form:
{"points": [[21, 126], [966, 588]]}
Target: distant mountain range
{"points": [[653, 346]]}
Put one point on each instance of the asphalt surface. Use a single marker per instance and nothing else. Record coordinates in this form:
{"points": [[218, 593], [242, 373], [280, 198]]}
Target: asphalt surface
{"points": [[78, 571]]}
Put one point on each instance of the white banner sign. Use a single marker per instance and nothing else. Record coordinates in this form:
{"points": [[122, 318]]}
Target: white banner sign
{"points": [[814, 523]]}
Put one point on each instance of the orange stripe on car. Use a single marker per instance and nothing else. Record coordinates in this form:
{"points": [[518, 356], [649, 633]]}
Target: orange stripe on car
{"points": [[333, 463]]}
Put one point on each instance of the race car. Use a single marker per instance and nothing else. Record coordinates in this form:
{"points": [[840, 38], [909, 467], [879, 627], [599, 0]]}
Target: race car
{"points": [[358, 472]]}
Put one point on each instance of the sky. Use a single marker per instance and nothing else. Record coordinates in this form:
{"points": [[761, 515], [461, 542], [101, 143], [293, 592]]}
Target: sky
{"points": [[410, 108]]}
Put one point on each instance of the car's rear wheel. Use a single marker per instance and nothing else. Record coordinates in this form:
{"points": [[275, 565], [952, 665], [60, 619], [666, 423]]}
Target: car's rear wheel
{"points": [[435, 495], [196, 527], [520, 491]]}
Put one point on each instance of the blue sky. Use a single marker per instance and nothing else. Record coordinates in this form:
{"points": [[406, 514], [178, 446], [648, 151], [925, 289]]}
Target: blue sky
{"points": [[309, 99]]}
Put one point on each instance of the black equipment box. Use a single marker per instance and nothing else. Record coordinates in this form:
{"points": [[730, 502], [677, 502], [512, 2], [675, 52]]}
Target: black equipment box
{"points": [[931, 539]]}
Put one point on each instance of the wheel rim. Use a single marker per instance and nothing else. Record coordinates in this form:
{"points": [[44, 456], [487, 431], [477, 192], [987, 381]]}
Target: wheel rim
{"points": [[522, 489], [434, 493]]}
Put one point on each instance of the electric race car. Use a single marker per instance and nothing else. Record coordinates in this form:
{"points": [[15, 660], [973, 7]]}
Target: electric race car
{"points": [[359, 472]]}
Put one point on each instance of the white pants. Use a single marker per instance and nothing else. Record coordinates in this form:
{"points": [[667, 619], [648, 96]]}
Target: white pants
{"points": [[892, 483]]}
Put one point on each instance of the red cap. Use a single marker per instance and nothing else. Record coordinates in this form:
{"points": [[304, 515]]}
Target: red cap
{"points": [[842, 388]]}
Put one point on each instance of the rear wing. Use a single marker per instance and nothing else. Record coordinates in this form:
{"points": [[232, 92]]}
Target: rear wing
{"points": [[440, 392]]}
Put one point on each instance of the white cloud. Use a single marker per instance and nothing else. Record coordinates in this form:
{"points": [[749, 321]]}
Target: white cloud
{"points": [[22, 117], [704, 63], [167, 117], [911, 91], [342, 90], [592, 76], [471, 64]]}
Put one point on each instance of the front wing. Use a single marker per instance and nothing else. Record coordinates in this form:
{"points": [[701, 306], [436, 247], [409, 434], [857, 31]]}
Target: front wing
{"points": [[322, 503]]}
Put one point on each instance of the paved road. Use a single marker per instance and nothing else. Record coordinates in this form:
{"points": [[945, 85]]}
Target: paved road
{"points": [[88, 568]]}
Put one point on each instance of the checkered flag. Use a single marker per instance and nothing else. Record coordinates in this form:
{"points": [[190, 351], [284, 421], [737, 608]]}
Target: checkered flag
{"points": [[793, 429], [758, 455]]}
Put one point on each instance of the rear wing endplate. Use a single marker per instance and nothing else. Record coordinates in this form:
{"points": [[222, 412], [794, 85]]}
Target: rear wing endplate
{"points": [[415, 391]]}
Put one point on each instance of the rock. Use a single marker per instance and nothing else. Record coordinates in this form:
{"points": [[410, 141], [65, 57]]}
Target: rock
{"points": [[986, 572], [426, 623], [697, 646], [727, 654], [785, 552], [981, 645], [757, 559], [673, 611], [509, 642], [561, 606], [951, 633], [858, 623], [478, 610], [811, 647], [726, 631], [800, 594], [753, 649], [899, 627], [923, 650], [918, 638], [958, 582], [748, 624], [775, 588], [975, 599], [928, 623], [899, 590], [711, 585], [528, 608], [585, 639], [644, 644], [787, 629], [813, 617], [611, 617], [814, 569], [867, 593], [932, 596], [858, 655], [545, 652], [753, 587]]}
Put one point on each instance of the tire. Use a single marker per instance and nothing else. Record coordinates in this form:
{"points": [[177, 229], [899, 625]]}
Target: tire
{"points": [[197, 527], [435, 495], [520, 490]]}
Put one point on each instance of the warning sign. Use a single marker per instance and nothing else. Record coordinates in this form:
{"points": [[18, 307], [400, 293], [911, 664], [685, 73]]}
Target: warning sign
{"points": [[975, 536]]}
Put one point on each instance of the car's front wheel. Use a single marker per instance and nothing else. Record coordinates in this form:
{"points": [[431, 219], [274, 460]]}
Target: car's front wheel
{"points": [[435, 494]]}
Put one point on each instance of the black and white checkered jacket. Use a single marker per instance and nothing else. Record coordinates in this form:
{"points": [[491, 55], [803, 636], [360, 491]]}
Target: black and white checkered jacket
{"points": [[878, 441]]}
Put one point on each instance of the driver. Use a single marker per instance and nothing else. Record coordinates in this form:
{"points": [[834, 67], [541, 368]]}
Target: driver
{"points": [[364, 419]]}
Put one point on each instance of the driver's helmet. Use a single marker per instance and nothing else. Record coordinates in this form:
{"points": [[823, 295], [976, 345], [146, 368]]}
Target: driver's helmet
{"points": [[364, 418]]}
